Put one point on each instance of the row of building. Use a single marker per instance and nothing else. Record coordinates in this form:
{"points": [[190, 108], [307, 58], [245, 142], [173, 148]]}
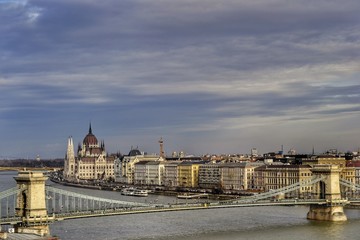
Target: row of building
{"points": [[225, 177], [93, 163]]}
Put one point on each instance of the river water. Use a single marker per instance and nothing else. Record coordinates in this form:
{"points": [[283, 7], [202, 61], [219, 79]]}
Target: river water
{"points": [[212, 224]]}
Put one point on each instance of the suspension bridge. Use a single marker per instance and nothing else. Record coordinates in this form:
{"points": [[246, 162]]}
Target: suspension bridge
{"points": [[31, 206]]}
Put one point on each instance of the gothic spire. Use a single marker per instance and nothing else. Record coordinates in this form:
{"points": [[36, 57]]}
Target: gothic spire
{"points": [[70, 149], [90, 130]]}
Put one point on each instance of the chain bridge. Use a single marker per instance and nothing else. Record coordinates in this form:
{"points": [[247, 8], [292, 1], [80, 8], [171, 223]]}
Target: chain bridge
{"points": [[31, 206]]}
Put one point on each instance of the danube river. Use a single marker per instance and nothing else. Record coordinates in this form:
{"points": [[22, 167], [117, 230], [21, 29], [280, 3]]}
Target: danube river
{"points": [[212, 224]]}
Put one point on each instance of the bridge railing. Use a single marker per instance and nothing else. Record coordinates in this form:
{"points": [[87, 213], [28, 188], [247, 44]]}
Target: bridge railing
{"points": [[274, 202], [276, 192], [60, 201], [8, 192], [10, 220], [192, 206], [351, 185], [8, 200]]}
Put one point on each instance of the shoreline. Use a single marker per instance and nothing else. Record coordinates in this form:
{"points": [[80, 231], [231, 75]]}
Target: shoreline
{"points": [[155, 192], [77, 185]]}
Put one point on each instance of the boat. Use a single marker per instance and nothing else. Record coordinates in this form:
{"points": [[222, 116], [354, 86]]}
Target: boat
{"points": [[134, 192], [140, 193], [127, 191]]}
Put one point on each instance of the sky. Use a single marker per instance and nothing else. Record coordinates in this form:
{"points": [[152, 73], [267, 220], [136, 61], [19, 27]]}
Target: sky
{"points": [[208, 76]]}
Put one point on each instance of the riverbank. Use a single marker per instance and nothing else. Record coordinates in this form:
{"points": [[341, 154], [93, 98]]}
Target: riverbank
{"points": [[17, 169], [78, 185], [23, 236]]}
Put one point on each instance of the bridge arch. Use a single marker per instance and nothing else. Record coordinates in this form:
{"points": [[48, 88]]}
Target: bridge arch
{"points": [[322, 190], [22, 203]]}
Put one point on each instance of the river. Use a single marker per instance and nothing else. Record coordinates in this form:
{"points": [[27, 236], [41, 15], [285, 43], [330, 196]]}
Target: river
{"points": [[212, 224]]}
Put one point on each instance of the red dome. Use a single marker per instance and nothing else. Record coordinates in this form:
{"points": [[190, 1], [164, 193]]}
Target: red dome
{"points": [[90, 138]]}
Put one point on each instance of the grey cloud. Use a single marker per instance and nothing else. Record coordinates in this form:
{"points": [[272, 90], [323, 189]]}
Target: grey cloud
{"points": [[194, 65]]}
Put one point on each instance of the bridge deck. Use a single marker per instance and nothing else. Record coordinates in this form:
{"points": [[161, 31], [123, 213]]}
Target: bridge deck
{"points": [[181, 207], [173, 207]]}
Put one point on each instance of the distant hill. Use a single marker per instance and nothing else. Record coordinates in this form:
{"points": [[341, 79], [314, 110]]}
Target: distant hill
{"points": [[53, 163]]}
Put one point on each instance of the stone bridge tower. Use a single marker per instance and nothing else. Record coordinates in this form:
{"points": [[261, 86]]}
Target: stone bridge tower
{"points": [[328, 189], [31, 203]]}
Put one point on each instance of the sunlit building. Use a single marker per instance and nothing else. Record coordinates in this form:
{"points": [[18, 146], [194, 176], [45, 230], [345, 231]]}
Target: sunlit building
{"points": [[92, 161], [346, 172], [238, 176], [188, 174], [272, 177], [170, 177], [356, 166], [125, 167], [149, 173]]}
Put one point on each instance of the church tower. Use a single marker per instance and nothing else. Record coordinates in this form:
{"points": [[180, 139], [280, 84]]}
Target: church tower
{"points": [[69, 167]]}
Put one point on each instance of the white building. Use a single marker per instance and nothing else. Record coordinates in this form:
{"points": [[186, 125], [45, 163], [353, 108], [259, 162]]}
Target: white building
{"points": [[125, 167], [170, 177], [149, 173], [238, 176], [140, 173], [155, 173]]}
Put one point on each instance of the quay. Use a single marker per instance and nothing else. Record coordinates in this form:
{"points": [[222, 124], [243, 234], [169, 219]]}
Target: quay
{"points": [[23, 236], [191, 196], [156, 192]]}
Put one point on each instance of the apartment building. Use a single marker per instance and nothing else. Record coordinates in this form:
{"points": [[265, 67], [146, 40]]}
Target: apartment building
{"points": [[125, 167], [188, 174], [209, 176], [170, 176], [347, 172], [272, 177]]}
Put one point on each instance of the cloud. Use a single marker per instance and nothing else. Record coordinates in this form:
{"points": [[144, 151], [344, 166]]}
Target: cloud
{"points": [[166, 67]]}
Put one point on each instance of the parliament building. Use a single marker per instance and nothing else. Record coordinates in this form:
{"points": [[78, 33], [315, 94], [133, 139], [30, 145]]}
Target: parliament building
{"points": [[91, 162]]}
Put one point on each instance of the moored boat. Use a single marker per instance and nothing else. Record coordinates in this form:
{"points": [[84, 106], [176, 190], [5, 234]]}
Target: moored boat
{"points": [[134, 192], [140, 193]]}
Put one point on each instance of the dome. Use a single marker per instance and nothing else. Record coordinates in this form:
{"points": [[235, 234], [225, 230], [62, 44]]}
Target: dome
{"points": [[134, 152], [90, 138]]}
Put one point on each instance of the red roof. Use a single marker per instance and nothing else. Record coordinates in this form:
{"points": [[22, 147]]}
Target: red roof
{"points": [[353, 163]]}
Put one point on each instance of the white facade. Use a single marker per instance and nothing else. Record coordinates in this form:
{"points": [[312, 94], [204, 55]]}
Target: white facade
{"points": [[140, 173], [125, 167], [149, 173], [357, 175], [240, 176], [170, 177], [155, 172], [232, 177], [91, 163]]}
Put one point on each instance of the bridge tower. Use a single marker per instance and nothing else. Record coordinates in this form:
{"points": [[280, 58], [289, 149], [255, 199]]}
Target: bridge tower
{"points": [[329, 189], [31, 204]]}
